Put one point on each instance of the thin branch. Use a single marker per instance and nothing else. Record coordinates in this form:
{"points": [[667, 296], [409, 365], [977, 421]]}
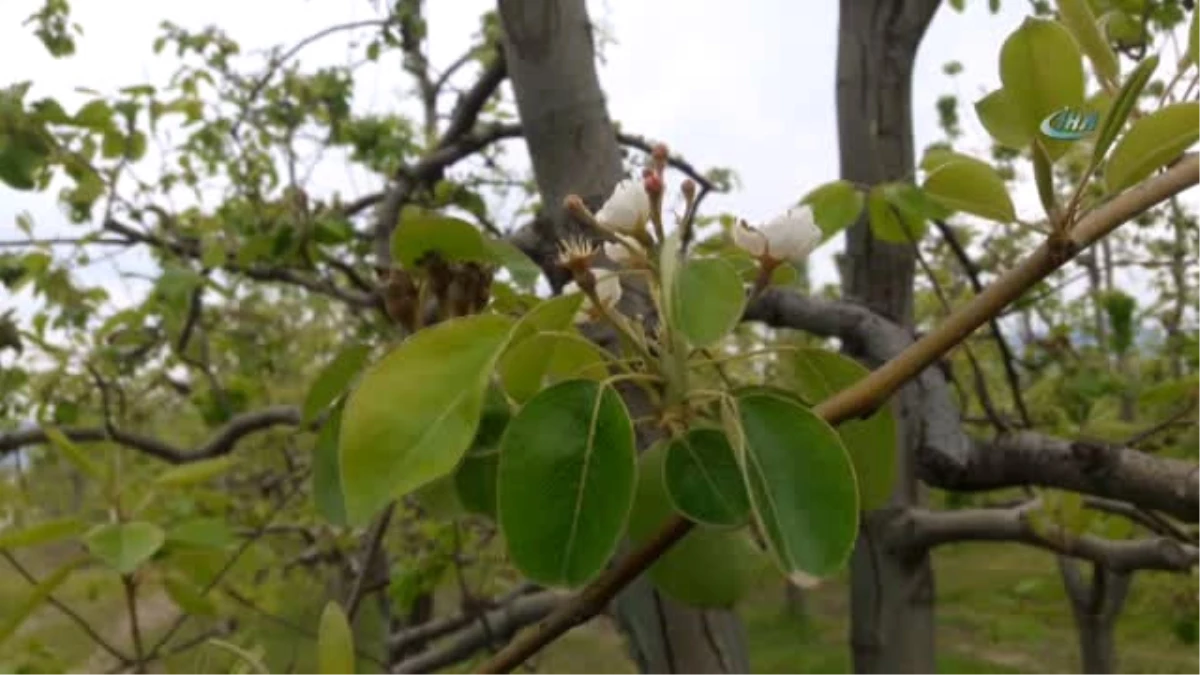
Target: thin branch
{"points": [[65, 241], [374, 542], [66, 609], [220, 443], [1160, 426], [135, 629]]}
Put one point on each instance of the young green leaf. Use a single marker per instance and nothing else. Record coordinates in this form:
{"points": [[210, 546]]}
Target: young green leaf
{"points": [[1151, 143], [333, 380], [523, 270], [413, 414], [1124, 103], [74, 453], [547, 358], [1003, 120], [15, 616], [1078, 18], [1043, 177], [326, 474], [125, 546], [39, 533], [566, 481], [704, 480], [709, 300], [801, 484], [1042, 70], [871, 442], [972, 186], [187, 595], [709, 567], [201, 533], [420, 232], [195, 472], [889, 223], [335, 642], [551, 314], [836, 205]]}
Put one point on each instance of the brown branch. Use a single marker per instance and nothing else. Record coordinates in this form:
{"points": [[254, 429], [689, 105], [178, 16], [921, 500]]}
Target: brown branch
{"points": [[374, 542], [502, 623], [220, 443], [870, 392]]}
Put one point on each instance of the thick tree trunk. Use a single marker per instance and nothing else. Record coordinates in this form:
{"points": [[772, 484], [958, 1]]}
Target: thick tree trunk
{"points": [[891, 594], [572, 145], [1096, 608]]}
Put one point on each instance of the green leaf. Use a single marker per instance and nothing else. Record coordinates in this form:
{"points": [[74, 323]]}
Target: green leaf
{"points": [[204, 533], [40, 533], [972, 186], [335, 642], [1120, 308], [1119, 111], [333, 380], [326, 476], [801, 483], [703, 479], [547, 358], [669, 260], [95, 114], [1002, 119], [552, 314], [74, 453], [524, 271], [566, 482], [871, 442], [709, 300], [125, 546], [1193, 46], [413, 414], [888, 223], [475, 478], [707, 568], [1041, 68], [836, 205], [15, 616], [1152, 142], [195, 472], [1043, 177], [187, 595], [421, 231], [1078, 18]]}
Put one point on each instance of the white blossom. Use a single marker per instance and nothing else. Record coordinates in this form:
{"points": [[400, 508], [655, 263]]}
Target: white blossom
{"points": [[791, 236], [608, 289], [624, 251], [627, 210]]}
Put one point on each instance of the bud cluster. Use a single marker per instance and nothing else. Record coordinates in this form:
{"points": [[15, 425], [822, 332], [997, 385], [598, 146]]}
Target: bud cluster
{"points": [[438, 287]]}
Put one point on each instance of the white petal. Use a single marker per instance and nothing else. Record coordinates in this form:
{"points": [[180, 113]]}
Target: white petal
{"points": [[627, 210], [749, 239], [624, 250], [608, 288], [793, 235]]}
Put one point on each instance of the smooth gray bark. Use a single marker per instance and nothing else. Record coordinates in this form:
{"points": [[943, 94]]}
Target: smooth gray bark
{"points": [[891, 594], [1095, 606], [573, 148]]}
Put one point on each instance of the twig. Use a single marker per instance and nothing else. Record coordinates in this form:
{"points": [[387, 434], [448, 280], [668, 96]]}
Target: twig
{"points": [[135, 631], [375, 540], [66, 610], [1160, 426]]}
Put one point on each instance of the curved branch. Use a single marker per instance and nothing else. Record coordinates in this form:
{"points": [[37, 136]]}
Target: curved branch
{"points": [[220, 443]]}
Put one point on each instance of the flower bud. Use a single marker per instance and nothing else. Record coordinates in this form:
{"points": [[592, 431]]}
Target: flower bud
{"points": [[605, 286]]}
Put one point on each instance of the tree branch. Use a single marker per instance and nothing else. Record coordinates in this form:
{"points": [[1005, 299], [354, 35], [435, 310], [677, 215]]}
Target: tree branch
{"points": [[922, 528], [220, 443]]}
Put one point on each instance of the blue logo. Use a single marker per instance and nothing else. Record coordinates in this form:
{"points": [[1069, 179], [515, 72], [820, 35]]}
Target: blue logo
{"points": [[1070, 125]]}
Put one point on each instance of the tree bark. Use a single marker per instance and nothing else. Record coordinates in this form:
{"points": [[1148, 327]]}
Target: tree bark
{"points": [[573, 149], [891, 593], [1095, 608]]}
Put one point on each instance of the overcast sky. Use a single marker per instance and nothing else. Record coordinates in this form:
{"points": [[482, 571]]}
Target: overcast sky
{"points": [[751, 88]]}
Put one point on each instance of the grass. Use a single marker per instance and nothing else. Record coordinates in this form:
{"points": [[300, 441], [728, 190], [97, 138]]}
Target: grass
{"points": [[1000, 609]]}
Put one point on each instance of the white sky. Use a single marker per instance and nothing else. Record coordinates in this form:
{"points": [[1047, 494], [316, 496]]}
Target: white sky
{"points": [[751, 89]]}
